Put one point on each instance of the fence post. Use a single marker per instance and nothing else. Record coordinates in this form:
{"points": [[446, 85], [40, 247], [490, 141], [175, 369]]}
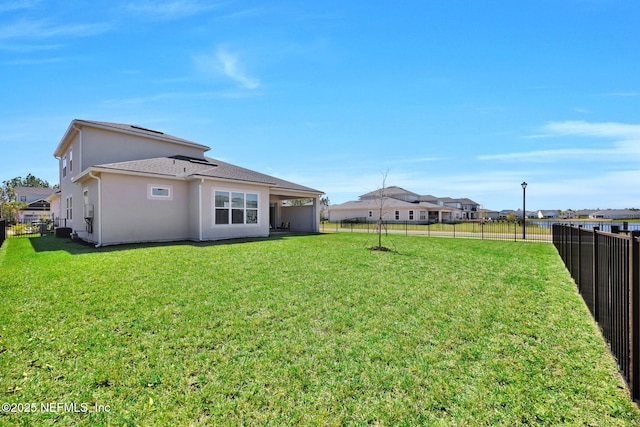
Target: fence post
{"points": [[596, 273], [580, 258], [634, 314], [3, 230]]}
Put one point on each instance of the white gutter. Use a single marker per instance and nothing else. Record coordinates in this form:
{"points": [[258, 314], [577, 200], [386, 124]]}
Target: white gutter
{"points": [[99, 208], [200, 209]]}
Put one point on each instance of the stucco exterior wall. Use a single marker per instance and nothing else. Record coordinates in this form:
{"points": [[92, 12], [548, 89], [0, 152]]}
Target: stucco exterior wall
{"points": [[81, 227], [300, 218], [130, 214], [101, 146], [212, 231], [341, 215]]}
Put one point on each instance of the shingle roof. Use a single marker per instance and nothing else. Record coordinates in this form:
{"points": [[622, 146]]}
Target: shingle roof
{"points": [[34, 191], [389, 191], [387, 203], [180, 166]]}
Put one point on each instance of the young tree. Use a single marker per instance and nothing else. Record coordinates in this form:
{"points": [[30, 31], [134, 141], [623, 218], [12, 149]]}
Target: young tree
{"points": [[380, 198]]}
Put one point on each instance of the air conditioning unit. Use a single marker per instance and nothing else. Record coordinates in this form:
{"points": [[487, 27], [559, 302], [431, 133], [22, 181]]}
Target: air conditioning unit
{"points": [[88, 211]]}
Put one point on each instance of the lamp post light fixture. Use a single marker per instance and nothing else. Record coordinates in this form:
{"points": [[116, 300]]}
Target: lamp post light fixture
{"points": [[524, 210]]}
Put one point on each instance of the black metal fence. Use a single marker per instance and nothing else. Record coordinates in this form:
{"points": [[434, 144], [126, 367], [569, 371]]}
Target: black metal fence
{"points": [[29, 228], [606, 269], [488, 230]]}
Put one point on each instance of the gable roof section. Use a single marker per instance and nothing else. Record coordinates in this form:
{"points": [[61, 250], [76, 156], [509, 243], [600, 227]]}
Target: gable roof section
{"points": [[123, 128], [34, 191], [387, 203], [392, 191], [186, 168]]}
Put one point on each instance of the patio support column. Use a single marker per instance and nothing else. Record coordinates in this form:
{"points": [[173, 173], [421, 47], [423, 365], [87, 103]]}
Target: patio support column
{"points": [[316, 215], [439, 216]]}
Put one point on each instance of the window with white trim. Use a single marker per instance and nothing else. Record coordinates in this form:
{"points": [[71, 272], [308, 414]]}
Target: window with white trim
{"points": [[69, 207], [64, 166], [423, 215], [70, 160], [235, 207], [411, 215], [397, 215], [160, 192]]}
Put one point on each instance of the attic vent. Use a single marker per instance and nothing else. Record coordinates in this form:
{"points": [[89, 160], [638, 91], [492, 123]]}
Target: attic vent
{"points": [[148, 130]]}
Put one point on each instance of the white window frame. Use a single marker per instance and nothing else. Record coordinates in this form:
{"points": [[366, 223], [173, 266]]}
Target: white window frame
{"points": [[410, 215], [64, 166], [230, 208], [70, 208], [397, 216], [163, 187]]}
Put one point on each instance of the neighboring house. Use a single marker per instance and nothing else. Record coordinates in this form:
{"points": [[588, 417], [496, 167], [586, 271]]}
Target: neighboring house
{"points": [[584, 213], [548, 214], [121, 183], [38, 206], [615, 214], [517, 214], [468, 209], [491, 215], [399, 204]]}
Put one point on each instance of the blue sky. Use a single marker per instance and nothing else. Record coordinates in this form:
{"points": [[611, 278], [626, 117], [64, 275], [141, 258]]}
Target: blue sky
{"points": [[449, 98]]}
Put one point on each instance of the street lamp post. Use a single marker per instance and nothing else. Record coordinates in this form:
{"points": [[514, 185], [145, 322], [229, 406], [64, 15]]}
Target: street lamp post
{"points": [[524, 210]]}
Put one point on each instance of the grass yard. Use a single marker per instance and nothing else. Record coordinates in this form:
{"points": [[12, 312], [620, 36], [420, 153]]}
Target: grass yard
{"points": [[304, 330]]}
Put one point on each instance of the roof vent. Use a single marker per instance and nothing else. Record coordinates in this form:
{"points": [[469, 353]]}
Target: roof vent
{"points": [[147, 130], [193, 160]]}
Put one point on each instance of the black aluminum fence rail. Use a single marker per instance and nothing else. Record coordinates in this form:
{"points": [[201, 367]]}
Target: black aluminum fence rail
{"points": [[3, 232], [489, 230], [606, 269]]}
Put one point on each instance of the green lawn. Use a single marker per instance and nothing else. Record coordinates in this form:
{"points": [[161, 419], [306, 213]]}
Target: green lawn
{"points": [[304, 330]]}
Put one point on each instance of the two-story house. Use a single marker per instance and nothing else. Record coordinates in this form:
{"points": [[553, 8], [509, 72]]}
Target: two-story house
{"points": [[395, 204], [122, 183], [37, 205]]}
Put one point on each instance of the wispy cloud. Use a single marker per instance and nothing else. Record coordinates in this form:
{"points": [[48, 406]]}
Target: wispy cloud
{"points": [[176, 9], [606, 129], [626, 142], [17, 5], [44, 29], [624, 94], [227, 63], [20, 48], [414, 160], [173, 96], [41, 61]]}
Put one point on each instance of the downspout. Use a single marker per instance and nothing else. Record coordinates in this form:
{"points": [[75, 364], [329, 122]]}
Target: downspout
{"points": [[99, 207], [200, 209]]}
